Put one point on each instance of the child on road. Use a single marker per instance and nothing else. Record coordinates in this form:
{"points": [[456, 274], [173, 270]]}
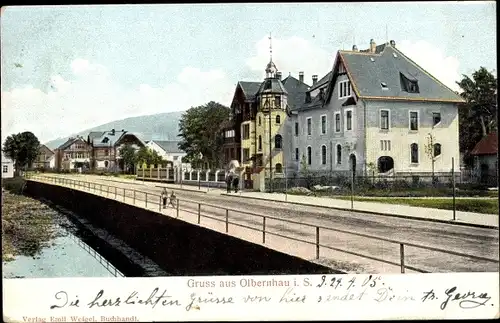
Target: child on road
{"points": [[173, 199]]}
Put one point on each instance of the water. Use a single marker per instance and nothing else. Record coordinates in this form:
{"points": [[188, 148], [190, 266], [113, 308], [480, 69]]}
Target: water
{"points": [[67, 256]]}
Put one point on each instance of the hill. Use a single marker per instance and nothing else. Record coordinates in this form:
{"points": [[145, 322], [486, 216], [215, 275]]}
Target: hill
{"points": [[160, 126]]}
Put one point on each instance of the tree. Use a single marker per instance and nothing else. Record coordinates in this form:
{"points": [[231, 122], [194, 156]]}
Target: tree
{"points": [[128, 154], [199, 131], [429, 151], [478, 117], [148, 156], [22, 148]]}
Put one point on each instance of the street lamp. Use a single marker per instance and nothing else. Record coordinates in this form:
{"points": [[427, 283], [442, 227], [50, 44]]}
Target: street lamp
{"points": [[200, 156]]}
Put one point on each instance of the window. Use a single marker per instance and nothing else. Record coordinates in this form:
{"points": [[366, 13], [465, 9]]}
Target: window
{"points": [[277, 142], [277, 101], [5, 168], [344, 89], [106, 153], [309, 126], [246, 131], [348, 117], [246, 154], [414, 153], [323, 155], [323, 124], [384, 86], [437, 150], [106, 164], [385, 145], [296, 128], [339, 154], [260, 142], [436, 118], [337, 122], [278, 119], [384, 119], [260, 120], [413, 87], [413, 120], [296, 153], [176, 157], [407, 85], [309, 155], [279, 168]]}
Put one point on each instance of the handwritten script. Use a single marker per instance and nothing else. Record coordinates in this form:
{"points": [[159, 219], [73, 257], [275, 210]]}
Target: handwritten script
{"points": [[288, 291]]}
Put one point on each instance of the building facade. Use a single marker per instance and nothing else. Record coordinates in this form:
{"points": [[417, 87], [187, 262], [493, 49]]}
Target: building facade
{"points": [[45, 158], [168, 150], [375, 112], [7, 167], [72, 154]]}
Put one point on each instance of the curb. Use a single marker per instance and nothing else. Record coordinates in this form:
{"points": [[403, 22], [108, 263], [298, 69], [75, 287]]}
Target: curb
{"points": [[484, 226], [182, 189]]}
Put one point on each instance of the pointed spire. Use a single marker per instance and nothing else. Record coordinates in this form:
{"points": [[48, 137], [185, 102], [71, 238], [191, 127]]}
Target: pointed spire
{"points": [[270, 47]]}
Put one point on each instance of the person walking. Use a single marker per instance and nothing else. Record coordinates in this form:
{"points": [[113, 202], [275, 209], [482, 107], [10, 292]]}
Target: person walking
{"points": [[229, 180], [164, 196], [236, 182], [173, 199]]}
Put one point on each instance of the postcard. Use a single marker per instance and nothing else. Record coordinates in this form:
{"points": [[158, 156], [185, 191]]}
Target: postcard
{"points": [[282, 161]]}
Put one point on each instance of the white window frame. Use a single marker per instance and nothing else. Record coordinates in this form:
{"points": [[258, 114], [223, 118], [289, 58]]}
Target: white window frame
{"points": [[335, 121], [5, 168], [388, 119], [296, 129], [309, 122], [307, 155], [409, 120], [326, 155], [418, 153], [321, 124], [352, 120], [348, 90]]}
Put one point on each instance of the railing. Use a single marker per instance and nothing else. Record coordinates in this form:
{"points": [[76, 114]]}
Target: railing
{"points": [[106, 264], [155, 199]]}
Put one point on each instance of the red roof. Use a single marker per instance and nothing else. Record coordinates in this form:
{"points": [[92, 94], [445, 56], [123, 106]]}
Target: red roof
{"points": [[487, 146]]}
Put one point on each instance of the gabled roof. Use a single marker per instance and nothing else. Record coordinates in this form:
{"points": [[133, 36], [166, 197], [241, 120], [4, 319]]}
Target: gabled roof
{"points": [[6, 159], [95, 134], [296, 91], [487, 145], [367, 71], [45, 146], [70, 141], [169, 146], [107, 138], [249, 89]]}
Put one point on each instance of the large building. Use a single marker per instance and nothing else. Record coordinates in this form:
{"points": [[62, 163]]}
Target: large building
{"points": [[45, 158], [72, 154], [376, 111]]}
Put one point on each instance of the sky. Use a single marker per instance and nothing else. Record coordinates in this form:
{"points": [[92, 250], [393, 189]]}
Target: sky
{"points": [[69, 68]]}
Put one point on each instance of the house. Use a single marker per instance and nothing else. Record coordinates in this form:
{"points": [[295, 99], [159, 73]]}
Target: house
{"points": [[106, 145], [486, 159], [375, 110], [45, 158], [72, 154], [7, 167], [168, 150]]}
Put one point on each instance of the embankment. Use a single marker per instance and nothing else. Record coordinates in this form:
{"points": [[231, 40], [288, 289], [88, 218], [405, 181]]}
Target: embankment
{"points": [[180, 248]]}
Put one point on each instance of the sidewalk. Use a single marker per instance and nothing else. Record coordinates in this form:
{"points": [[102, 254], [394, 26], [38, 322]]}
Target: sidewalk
{"points": [[403, 211]]}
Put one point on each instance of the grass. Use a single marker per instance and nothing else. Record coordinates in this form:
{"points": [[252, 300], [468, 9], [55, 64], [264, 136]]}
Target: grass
{"points": [[487, 206]]}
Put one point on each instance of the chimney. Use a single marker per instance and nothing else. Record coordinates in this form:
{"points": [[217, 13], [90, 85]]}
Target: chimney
{"points": [[373, 46], [301, 76], [393, 43], [355, 48], [278, 75], [315, 79]]}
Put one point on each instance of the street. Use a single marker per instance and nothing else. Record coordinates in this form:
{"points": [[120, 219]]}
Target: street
{"points": [[469, 240]]}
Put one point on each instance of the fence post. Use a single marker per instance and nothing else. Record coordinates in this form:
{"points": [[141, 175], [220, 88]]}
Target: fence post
{"points": [[134, 198], [263, 229], [199, 213], [115, 192], [402, 257], [453, 183], [317, 242], [124, 189], [146, 200], [178, 202], [352, 190], [227, 220], [159, 205]]}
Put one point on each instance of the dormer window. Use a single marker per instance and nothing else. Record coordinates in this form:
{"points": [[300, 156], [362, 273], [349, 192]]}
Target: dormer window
{"points": [[105, 140], [384, 86], [277, 101], [407, 85]]}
